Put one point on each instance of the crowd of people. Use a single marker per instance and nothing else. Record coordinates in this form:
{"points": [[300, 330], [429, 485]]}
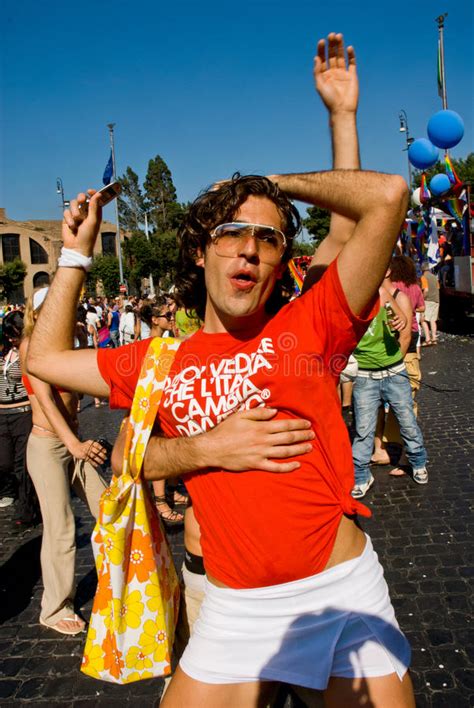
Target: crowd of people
{"points": [[122, 320], [273, 432]]}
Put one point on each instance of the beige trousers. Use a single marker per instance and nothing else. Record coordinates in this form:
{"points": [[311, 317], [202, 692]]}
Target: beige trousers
{"points": [[53, 470]]}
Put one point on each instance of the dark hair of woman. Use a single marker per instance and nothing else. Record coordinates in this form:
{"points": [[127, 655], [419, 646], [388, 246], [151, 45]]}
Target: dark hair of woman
{"points": [[81, 314], [146, 312], [91, 308], [218, 206], [12, 328], [403, 270]]}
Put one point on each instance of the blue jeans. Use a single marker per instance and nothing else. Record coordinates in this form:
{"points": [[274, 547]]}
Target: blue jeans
{"points": [[368, 395], [115, 337]]}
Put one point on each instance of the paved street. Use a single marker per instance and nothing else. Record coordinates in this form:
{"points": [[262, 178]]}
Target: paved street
{"points": [[422, 534]]}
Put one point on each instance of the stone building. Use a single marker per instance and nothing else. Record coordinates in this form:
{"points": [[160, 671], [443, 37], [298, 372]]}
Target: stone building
{"points": [[38, 244]]}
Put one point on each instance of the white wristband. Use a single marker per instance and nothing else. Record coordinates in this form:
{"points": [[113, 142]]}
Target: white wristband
{"points": [[70, 258]]}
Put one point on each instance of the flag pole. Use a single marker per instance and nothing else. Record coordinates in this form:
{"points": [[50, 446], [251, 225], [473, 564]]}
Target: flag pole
{"points": [[441, 73], [110, 126]]}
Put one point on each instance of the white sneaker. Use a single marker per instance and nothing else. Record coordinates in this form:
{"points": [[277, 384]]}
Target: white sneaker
{"points": [[420, 476], [6, 501], [360, 490]]}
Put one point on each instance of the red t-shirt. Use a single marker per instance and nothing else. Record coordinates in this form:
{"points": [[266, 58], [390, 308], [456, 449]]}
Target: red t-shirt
{"points": [[29, 387], [261, 528]]}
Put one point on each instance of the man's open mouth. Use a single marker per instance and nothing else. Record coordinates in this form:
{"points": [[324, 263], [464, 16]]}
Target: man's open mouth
{"points": [[243, 280]]}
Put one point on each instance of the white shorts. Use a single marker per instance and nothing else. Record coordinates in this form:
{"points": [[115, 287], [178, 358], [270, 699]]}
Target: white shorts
{"points": [[337, 623]]}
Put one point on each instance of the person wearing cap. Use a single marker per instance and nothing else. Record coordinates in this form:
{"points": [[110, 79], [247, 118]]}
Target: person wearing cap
{"points": [[57, 459]]}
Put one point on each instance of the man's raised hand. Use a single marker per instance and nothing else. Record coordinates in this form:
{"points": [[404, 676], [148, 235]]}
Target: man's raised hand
{"points": [[335, 79], [81, 222]]}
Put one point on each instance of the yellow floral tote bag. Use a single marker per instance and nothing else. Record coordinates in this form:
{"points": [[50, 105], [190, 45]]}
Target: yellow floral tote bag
{"points": [[135, 608]]}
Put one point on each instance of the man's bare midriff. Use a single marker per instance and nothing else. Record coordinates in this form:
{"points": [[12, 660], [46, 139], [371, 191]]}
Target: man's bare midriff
{"points": [[192, 533], [349, 544]]}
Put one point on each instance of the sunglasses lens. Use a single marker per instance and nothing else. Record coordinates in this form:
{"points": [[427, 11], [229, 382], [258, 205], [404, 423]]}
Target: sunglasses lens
{"points": [[229, 239], [268, 237]]}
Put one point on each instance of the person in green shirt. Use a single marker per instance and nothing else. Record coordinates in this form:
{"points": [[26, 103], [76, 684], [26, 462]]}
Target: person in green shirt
{"points": [[187, 322], [382, 378]]}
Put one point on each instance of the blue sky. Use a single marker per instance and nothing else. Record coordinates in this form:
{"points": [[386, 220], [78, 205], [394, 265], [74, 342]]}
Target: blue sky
{"points": [[212, 87]]}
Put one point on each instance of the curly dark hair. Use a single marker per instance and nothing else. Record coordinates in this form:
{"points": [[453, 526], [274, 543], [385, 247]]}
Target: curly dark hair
{"points": [[217, 206], [403, 270]]}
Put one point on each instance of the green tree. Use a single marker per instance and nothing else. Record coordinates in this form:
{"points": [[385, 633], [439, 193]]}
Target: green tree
{"points": [[105, 269], [160, 195], [317, 223], [165, 258], [464, 168], [303, 249], [131, 202], [157, 199], [12, 276], [139, 256]]}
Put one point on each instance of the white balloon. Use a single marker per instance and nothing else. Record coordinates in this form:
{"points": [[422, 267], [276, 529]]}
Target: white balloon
{"points": [[415, 197]]}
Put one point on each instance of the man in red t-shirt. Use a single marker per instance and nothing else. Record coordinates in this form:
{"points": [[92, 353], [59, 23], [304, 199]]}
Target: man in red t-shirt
{"points": [[287, 566]]}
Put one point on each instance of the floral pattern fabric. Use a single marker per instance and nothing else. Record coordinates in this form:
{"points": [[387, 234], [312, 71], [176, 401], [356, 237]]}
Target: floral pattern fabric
{"points": [[133, 619]]}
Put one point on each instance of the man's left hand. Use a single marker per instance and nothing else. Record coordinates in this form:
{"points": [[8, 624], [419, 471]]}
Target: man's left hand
{"points": [[336, 81]]}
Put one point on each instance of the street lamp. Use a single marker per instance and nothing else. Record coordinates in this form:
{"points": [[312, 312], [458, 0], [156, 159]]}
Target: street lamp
{"points": [[402, 116], [152, 287], [111, 126], [60, 190]]}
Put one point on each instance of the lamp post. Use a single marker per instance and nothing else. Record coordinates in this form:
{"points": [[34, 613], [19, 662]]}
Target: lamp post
{"points": [[60, 190], [152, 287], [402, 116], [111, 126], [441, 72]]}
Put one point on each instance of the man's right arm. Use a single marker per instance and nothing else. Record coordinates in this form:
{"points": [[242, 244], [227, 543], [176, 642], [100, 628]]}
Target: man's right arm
{"points": [[51, 357]]}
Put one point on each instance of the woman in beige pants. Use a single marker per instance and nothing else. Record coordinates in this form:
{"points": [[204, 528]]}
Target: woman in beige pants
{"points": [[57, 460]]}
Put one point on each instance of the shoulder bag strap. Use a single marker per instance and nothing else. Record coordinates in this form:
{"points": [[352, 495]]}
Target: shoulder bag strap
{"points": [[155, 368]]}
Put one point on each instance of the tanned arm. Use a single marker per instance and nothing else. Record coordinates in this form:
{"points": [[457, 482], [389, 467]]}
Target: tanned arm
{"points": [[337, 84], [245, 440], [51, 356], [51, 406], [403, 312], [363, 242], [376, 203], [403, 302]]}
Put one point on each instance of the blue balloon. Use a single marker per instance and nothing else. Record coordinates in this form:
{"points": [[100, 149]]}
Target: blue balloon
{"points": [[445, 129], [422, 154], [440, 184]]}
